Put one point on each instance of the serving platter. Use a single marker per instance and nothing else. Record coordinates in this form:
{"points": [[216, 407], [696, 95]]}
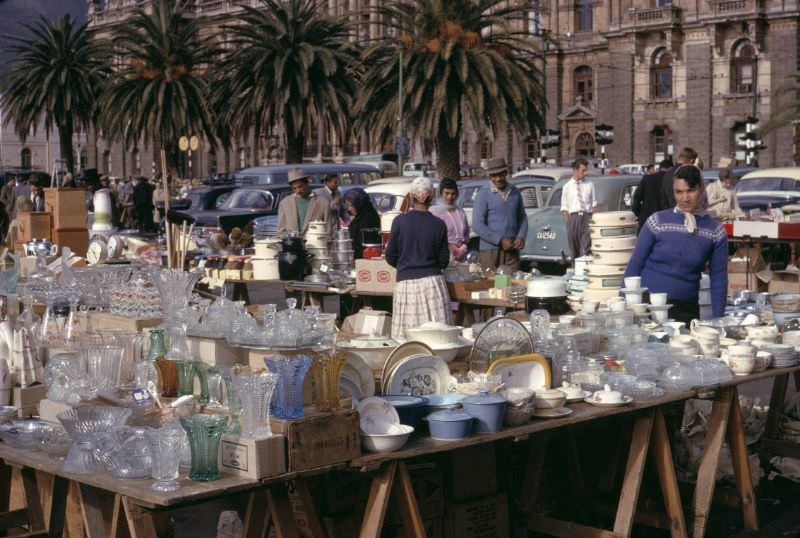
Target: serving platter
{"points": [[524, 372]]}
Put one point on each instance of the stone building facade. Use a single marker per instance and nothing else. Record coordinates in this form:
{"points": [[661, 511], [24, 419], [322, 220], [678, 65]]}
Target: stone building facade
{"points": [[663, 74]]}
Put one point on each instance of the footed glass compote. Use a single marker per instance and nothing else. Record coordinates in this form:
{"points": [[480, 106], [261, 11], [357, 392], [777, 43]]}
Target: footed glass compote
{"points": [[291, 370], [82, 423]]}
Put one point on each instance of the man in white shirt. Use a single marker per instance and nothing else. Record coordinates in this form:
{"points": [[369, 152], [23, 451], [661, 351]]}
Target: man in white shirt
{"points": [[577, 203]]}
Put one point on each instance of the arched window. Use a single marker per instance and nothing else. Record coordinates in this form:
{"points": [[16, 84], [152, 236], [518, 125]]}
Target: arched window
{"points": [[583, 16], [661, 75], [743, 63], [25, 161], [487, 148], [584, 145], [583, 84]]}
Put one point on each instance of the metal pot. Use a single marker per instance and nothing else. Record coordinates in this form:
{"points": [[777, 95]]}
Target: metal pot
{"points": [[343, 256]]}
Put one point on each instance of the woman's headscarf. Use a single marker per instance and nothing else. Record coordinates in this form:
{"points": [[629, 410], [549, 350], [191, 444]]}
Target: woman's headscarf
{"points": [[360, 201]]}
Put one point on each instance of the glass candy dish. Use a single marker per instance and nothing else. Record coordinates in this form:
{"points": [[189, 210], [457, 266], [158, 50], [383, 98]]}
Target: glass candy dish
{"points": [[82, 423], [7, 412], [288, 329]]}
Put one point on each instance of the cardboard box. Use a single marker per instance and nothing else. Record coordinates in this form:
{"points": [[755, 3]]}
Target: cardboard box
{"points": [[48, 410], [744, 281], [103, 320], [77, 239], [32, 225], [375, 275], [462, 482], [253, 458], [746, 259], [320, 439], [68, 207], [368, 321], [464, 290], [478, 519], [755, 229], [784, 282], [216, 351], [26, 399]]}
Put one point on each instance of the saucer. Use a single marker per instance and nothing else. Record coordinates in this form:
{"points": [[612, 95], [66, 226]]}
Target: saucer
{"points": [[657, 308], [625, 401], [552, 413], [586, 394], [633, 290]]}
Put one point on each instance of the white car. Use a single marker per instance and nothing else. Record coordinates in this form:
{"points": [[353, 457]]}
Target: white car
{"points": [[414, 169], [632, 169], [388, 195]]}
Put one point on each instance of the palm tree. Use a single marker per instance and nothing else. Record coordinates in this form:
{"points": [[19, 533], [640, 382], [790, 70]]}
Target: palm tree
{"points": [[160, 92], [459, 57], [55, 76], [290, 65]]}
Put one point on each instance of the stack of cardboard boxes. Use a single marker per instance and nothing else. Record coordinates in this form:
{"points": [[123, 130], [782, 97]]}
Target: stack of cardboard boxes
{"points": [[69, 220]]}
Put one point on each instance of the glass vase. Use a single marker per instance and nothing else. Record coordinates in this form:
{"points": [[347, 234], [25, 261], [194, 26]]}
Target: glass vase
{"points": [[255, 392], [166, 444], [232, 401], [167, 377], [205, 433], [185, 377], [287, 402], [327, 369], [103, 367], [202, 370], [158, 345]]}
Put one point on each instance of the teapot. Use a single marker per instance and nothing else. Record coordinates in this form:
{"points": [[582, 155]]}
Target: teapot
{"points": [[40, 247]]}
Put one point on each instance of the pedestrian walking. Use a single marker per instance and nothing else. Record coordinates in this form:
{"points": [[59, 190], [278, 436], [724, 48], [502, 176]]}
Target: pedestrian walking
{"points": [[578, 201], [499, 219], [143, 205]]}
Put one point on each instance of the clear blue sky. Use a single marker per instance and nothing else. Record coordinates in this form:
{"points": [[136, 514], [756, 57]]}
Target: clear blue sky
{"points": [[12, 12]]}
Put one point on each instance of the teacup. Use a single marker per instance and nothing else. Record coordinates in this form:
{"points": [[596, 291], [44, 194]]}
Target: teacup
{"points": [[658, 299], [633, 297], [608, 396], [633, 282], [762, 362], [549, 399], [741, 364], [590, 307], [659, 316], [741, 349], [640, 309], [617, 305]]}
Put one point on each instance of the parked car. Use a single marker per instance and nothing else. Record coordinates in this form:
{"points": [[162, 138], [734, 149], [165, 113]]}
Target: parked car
{"points": [[388, 195], [369, 158], [553, 173], [199, 199], [632, 169], [242, 206], [547, 233], [349, 174], [413, 169], [774, 187]]}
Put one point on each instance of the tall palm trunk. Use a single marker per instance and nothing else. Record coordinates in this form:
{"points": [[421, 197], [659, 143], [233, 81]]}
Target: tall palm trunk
{"points": [[65, 132], [294, 142], [447, 149]]}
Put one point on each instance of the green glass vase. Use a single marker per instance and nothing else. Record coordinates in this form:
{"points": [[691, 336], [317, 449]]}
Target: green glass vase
{"points": [[204, 433], [202, 370], [186, 372]]}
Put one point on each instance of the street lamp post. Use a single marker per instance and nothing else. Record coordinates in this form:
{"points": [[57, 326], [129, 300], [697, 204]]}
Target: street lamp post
{"points": [[603, 135]]}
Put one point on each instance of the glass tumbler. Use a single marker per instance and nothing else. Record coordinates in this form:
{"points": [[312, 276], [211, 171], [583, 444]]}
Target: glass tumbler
{"points": [[186, 372], [166, 444]]}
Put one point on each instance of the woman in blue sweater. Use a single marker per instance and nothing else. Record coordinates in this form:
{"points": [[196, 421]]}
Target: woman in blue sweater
{"points": [[418, 249], [675, 246]]}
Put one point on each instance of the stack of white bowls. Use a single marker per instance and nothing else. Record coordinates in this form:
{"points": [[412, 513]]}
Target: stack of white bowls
{"points": [[265, 265], [704, 298], [317, 239], [613, 236]]}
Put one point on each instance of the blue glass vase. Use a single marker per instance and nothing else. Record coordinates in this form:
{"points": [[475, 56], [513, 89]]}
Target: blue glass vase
{"points": [[287, 401]]}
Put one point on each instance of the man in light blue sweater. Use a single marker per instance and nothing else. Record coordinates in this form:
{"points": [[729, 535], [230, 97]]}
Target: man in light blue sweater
{"points": [[499, 219]]}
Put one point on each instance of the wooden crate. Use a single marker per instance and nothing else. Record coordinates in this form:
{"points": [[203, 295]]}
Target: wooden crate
{"points": [[32, 225], [320, 439], [77, 239], [68, 207]]}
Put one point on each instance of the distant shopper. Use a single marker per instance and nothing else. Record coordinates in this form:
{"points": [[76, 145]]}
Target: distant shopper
{"points": [[687, 156], [675, 246], [362, 217], [330, 193], [37, 196], [454, 218], [301, 207], [721, 197], [499, 219], [418, 249], [647, 198], [143, 205], [578, 201]]}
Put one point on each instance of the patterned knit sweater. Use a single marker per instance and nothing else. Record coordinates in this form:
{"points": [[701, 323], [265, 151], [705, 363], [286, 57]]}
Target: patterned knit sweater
{"points": [[670, 259]]}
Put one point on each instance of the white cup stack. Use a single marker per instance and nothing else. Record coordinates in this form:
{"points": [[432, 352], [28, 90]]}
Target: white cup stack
{"points": [[613, 236]]}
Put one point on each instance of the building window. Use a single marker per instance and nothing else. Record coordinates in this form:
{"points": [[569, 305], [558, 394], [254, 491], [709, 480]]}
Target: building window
{"points": [[583, 16], [25, 161], [584, 145], [487, 149], [584, 85], [663, 3], [661, 75], [743, 65], [661, 138]]}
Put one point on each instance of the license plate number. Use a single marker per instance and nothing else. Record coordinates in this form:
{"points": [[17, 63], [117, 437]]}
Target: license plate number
{"points": [[548, 236]]}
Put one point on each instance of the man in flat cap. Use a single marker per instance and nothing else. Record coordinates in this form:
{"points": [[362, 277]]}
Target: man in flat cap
{"points": [[301, 207]]}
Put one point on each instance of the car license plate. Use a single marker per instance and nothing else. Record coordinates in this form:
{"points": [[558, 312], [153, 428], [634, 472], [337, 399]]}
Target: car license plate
{"points": [[546, 235]]}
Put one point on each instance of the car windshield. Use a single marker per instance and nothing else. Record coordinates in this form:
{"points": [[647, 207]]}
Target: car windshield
{"points": [[383, 201], [555, 198], [766, 184], [467, 195], [251, 199]]}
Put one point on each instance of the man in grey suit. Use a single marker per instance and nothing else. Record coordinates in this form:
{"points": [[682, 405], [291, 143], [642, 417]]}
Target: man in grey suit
{"points": [[301, 207], [330, 193]]}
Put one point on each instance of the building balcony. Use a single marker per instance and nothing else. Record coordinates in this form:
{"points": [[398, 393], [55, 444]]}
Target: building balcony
{"points": [[652, 17], [734, 8]]}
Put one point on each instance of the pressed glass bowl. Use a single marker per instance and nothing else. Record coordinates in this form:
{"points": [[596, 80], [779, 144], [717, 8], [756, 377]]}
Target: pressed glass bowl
{"points": [[81, 422], [7, 412], [23, 434], [55, 441]]}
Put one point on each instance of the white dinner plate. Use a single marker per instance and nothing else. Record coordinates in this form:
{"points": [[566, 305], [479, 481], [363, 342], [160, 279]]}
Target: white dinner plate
{"points": [[420, 376]]}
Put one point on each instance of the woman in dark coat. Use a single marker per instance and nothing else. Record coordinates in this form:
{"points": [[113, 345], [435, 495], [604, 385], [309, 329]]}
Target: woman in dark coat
{"points": [[363, 216]]}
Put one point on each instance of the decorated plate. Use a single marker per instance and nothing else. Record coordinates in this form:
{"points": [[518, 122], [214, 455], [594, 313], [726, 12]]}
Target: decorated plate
{"points": [[402, 351], [420, 376], [523, 372], [393, 369], [350, 386]]}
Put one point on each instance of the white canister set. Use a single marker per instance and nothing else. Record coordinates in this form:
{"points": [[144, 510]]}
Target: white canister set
{"points": [[264, 261], [317, 239], [613, 236]]}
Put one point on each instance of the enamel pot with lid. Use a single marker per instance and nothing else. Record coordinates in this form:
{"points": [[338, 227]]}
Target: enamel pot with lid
{"points": [[487, 410]]}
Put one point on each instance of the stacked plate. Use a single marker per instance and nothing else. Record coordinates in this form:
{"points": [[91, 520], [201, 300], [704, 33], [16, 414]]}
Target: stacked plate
{"points": [[413, 370], [613, 236], [357, 380], [783, 355]]}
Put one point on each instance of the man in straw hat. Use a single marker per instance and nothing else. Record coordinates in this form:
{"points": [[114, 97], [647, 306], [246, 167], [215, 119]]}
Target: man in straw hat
{"points": [[499, 219], [301, 207]]}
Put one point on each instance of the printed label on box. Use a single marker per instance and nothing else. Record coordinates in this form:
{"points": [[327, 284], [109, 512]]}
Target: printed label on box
{"points": [[384, 277], [364, 275], [234, 455]]}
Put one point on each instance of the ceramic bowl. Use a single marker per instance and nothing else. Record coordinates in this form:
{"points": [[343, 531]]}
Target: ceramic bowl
{"points": [[608, 396], [516, 416], [410, 409], [386, 442], [640, 309], [434, 333], [549, 399], [658, 299], [449, 425], [741, 364], [518, 397]]}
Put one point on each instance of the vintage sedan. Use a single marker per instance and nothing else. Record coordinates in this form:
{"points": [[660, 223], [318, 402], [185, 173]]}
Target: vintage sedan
{"points": [[244, 205], [775, 187], [547, 233]]}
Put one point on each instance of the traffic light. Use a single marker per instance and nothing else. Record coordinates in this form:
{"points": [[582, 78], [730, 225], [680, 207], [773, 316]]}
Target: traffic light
{"points": [[603, 134], [551, 139]]}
